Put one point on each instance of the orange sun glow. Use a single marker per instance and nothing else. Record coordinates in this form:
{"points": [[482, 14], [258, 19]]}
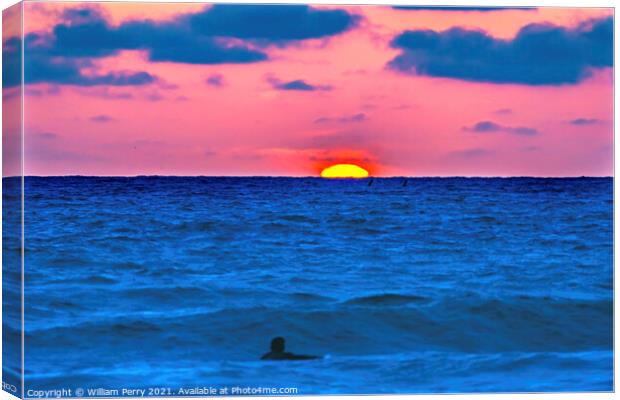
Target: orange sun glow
{"points": [[344, 171]]}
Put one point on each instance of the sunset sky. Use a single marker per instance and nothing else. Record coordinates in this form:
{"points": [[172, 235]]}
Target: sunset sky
{"points": [[194, 89]]}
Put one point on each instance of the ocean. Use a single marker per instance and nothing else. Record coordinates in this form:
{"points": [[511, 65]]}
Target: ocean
{"points": [[436, 285]]}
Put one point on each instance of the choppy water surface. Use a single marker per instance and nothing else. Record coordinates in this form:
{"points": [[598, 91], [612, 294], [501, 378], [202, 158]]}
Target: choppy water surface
{"points": [[442, 285]]}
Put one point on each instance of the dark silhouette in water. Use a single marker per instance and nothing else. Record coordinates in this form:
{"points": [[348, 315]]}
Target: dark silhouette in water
{"points": [[277, 352], [405, 182], [370, 182]]}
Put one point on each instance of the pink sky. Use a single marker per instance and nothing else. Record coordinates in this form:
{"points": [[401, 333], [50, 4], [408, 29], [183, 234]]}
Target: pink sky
{"points": [[362, 111]]}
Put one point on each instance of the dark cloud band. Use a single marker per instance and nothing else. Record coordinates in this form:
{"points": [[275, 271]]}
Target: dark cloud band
{"points": [[220, 34], [540, 54], [273, 23], [491, 127], [584, 121], [40, 66], [296, 85]]}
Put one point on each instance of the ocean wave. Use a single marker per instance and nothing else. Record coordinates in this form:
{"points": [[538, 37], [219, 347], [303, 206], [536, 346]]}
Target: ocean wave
{"points": [[371, 324], [387, 299]]}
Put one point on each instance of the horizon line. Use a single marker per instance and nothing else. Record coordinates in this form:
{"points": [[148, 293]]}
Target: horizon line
{"points": [[317, 177]]}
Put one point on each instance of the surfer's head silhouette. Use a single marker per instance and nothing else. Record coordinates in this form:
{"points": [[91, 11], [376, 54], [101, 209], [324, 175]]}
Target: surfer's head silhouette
{"points": [[277, 352], [277, 344]]}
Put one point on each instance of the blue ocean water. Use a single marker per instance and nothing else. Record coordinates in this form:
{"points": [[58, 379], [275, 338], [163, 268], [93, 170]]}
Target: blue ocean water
{"points": [[439, 285]]}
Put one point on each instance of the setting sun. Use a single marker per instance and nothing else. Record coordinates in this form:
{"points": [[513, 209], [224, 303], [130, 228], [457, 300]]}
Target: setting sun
{"points": [[344, 171]]}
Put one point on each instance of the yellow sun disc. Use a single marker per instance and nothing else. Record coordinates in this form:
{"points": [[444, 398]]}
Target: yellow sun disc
{"points": [[344, 171]]}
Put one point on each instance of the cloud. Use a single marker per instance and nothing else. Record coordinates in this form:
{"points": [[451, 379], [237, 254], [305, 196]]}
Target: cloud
{"points": [[172, 41], [219, 34], [11, 59], [491, 127], [522, 130], [359, 117], [471, 153], [271, 23], [484, 126], [104, 92], [46, 135], [38, 70], [52, 90], [215, 80], [42, 67], [81, 15], [584, 121], [455, 8], [297, 85], [331, 155], [540, 54], [503, 111], [101, 118]]}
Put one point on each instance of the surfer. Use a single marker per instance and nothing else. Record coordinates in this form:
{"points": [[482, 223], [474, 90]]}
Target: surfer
{"points": [[277, 352]]}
